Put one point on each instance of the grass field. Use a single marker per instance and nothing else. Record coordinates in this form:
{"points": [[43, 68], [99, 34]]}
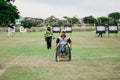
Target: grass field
{"points": [[25, 57]]}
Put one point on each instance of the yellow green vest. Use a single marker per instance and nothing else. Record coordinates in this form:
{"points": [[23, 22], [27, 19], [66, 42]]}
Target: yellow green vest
{"points": [[48, 34]]}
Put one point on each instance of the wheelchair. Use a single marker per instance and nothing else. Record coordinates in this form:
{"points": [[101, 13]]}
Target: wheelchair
{"points": [[63, 51]]}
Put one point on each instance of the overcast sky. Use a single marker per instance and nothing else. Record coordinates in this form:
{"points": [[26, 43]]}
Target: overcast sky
{"points": [[60, 8]]}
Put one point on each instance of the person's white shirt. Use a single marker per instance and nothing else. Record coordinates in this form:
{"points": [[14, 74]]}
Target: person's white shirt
{"points": [[10, 31], [13, 30]]}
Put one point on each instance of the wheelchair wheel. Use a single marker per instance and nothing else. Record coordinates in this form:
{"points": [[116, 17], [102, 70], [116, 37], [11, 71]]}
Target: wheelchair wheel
{"points": [[56, 56], [69, 55]]}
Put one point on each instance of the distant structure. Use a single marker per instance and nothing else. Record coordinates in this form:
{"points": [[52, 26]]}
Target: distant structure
{"points": [[18, 21]]}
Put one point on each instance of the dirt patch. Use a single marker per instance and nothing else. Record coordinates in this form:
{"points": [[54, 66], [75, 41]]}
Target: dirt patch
{"points": [[2, 71], [7, 65], [35, 61]]}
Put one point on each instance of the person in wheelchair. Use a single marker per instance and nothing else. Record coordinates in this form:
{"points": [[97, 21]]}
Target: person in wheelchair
{"points": [[63, 44]]}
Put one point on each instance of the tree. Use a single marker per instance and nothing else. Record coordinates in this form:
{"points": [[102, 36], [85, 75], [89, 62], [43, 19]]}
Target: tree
{"points": [[8, 0], [114, 15], [102, 20], [8, 12], [26, 24], [60, 23], [51, 20], [71, 21], [112, 21], [114, 18], [89, 20], [75, 20], [68, 19]]}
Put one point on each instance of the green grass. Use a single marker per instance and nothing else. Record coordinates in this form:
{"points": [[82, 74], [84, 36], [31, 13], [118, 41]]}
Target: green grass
{"points": [[25, 57]]}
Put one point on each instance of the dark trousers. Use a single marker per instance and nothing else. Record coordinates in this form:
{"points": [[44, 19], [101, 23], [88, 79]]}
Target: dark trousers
{"points": [[49, 42], [100, 34]]}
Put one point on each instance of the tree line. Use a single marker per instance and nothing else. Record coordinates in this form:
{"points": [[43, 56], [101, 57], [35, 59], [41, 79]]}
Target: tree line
{"points": [[111, 19]]}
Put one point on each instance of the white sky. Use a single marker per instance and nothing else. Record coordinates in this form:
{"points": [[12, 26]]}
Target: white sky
{"points": [[60, 8]]}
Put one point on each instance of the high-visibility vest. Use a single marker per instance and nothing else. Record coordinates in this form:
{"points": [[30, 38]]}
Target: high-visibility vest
{"points": [[48, 34]]}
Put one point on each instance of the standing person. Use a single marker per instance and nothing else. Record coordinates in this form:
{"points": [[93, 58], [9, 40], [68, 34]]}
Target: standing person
{"points": [[100, 34], [10, 30], [48, 37]]}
